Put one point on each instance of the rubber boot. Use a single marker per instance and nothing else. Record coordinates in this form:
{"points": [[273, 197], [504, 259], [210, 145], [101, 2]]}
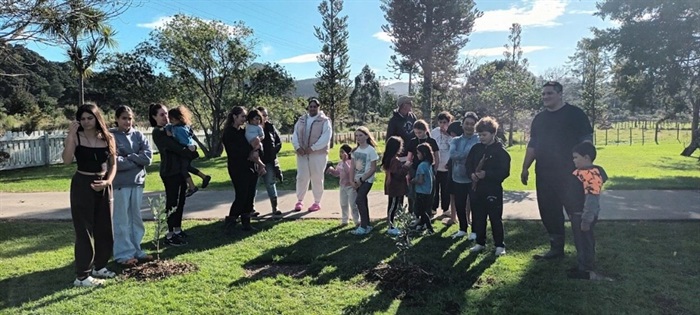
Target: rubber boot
{"points": [[275, 210], [556, 249]]}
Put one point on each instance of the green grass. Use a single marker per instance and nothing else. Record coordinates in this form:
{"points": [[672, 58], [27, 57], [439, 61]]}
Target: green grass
{"points": [[654, 265], [629, 167]]}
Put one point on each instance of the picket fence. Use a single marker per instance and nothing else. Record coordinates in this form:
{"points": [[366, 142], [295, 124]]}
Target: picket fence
{"points": [[46, 147]]}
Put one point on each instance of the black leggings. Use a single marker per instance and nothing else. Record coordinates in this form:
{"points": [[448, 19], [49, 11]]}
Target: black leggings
{"points": [[423, 207], [91, 212], [442, 193], [488, 204], [175, 188], [395, 204], [461, 193], [244, 181], [363, 203]]}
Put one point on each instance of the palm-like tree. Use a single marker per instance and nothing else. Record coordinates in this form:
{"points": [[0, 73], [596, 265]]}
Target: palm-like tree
{"points": [[84, 31]]}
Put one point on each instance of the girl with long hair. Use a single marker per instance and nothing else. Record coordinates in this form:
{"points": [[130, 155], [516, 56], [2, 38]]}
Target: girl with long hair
{"points": [[395, 184], [93, 147], [365, 158], [347, 190], [423, 182]]}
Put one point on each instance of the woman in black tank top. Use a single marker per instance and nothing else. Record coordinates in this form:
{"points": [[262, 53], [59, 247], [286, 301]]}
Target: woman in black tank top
{"points": [[93, 147]]}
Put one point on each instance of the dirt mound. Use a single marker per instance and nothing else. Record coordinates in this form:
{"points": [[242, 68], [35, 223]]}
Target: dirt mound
{"points": [[158, 270], [404, 280]]}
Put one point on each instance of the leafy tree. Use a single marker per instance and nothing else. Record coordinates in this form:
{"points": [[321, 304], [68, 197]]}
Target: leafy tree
{"points": [[85, 33], [429, 33], [592, 65], [656, 51], [334, 76], [365, 97]]}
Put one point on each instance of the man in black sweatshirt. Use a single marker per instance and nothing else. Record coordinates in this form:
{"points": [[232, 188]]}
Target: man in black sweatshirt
{"points": [[401, 123]]}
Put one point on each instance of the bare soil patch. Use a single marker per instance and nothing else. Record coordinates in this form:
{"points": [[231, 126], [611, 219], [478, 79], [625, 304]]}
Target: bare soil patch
{"points": [[158, 270]]}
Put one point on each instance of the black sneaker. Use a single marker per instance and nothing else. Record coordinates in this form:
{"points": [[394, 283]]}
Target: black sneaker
{"points": [[254, 213], [191, 192], [182, 234], [175, 240], [205, 181]]}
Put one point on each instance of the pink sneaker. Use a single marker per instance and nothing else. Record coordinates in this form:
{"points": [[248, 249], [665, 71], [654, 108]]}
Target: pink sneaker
{"points": [[298, 206], [314, 207]]}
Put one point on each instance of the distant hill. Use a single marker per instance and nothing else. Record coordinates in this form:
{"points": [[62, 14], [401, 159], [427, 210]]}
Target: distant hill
{"points": [[305, 88]]}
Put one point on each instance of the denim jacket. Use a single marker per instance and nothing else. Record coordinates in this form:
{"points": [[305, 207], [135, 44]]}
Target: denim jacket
{"points": [[459, 149]]}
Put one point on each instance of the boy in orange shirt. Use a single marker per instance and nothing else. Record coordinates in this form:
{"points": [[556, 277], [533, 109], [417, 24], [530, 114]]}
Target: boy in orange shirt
{"points": [[592, 177]]}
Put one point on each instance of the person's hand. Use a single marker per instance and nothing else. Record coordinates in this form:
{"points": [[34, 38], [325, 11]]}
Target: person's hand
{"points": [[585, 226], [254, 156], [73, 131], [308, 151], [474, 178], [343, 156], [524, 175], [300, 151], [408, 163], [99, 185], [480, 174], [192, 147]]}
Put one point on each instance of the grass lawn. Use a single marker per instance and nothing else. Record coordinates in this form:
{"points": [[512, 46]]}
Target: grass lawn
{"points": [[629, 167], [317, 267]]}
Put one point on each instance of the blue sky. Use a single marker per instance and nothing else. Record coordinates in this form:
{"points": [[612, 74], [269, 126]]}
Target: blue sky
{"points": [[284, 30]]}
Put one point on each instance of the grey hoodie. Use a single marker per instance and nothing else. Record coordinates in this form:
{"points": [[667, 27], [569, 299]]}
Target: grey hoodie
{"points": [[133, 155]]}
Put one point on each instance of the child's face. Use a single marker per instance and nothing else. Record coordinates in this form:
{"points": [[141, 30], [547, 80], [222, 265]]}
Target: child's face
{"points": [[125, 121], [468, 127], [420, 156], [444, 123], [486, 137], [420, 134], [342, 154], [360, 137], [174, 121], [256, 120], [581, 161]]}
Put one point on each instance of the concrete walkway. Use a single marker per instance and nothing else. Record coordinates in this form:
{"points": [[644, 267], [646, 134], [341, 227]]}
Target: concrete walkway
{"points": [[518, 205]]}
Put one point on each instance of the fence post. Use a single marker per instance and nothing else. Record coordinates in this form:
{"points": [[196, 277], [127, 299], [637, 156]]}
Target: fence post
{"points": [[47, 150], [630, 136], [643, 135], [606, 136], [618, 136]]}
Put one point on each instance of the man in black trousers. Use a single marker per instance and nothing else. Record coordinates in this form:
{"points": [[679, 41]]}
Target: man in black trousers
{"points": [[553, 134]]}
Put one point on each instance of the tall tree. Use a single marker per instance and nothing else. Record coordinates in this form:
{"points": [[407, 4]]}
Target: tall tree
{"points": [[334, 76], [209, 59], [85, 33], [366, 96], [429, 33], [656, 46], [592, 66]]}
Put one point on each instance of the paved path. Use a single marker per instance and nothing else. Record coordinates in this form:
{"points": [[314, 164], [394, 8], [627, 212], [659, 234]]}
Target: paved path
{"points": [[518, 205]]}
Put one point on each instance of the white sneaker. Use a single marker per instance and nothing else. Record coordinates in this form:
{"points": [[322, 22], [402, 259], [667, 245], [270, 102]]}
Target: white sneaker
{"points": [[88, 282], [103, 273], [477, 248], [393, 231], [459, 234], [472, 237], [359, 231], [500, 251]]}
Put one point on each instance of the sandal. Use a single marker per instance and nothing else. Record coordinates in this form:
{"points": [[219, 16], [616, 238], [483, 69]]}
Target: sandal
{"points": [[103, 273]]}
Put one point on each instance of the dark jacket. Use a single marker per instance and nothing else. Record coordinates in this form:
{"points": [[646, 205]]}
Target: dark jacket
{"points": [[401, 126], [237, 149], [172, 153], [271, 144], [496, 164]]}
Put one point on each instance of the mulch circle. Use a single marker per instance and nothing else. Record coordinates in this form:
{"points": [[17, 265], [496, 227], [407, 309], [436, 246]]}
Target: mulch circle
{"points": [[158, 270], [404, 280]]}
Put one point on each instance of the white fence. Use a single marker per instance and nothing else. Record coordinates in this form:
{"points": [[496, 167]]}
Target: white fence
{"points": [[42, 148]]}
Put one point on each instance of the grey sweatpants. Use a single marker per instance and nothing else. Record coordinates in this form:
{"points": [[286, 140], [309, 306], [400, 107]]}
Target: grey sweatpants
{"points": [[585, 243]]}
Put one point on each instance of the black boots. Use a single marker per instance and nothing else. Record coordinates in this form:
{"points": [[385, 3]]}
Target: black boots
{"points": [[275, 210], [556, 249]]}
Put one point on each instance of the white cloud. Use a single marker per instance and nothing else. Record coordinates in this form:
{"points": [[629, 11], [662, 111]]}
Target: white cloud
{"points": [[305, 58], [266, 49], [498, 51], [383, 36], [542, 13], [160, 22]]}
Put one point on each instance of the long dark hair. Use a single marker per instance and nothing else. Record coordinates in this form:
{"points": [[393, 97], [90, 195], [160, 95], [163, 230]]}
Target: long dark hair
{"points": [[426, 151], [153, 110], [121, 110], [235, 111], [100, 126], [394, 147]]}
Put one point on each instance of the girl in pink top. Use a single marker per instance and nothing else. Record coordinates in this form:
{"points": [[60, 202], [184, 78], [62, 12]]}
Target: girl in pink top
{"points": [[347, 191]]}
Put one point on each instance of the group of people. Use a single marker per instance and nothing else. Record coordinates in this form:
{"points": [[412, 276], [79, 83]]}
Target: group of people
{"points": [[458, 167]]}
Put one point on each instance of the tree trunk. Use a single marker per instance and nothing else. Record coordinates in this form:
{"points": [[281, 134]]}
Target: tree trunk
{"points": [[427, 107], [695, 131], [511, 114], [81, 89]]}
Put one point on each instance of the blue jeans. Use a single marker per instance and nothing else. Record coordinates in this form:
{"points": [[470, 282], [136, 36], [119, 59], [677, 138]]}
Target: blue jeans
{"points": [[127, 223], [269, 180]]}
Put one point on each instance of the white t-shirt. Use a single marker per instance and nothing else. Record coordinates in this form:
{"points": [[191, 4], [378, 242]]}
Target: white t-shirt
{"points": [[362, 159], [443, 142]]}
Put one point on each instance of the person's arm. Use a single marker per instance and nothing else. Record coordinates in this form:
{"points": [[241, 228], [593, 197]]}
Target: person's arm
{"points": [[335, 172], [589, 212], [389, 130], [70, 143], [372, 169], [583, 126], [418, 179], [165, 143], [182, 136], [276, 141], [603, 174], [325, 138], [501, 169], [145, 156], [436, 153]]}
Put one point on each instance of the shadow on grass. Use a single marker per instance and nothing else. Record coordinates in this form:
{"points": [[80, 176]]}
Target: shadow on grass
{"points": [[671, 183], [20, 238], [456, 271], [35, 286]]}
